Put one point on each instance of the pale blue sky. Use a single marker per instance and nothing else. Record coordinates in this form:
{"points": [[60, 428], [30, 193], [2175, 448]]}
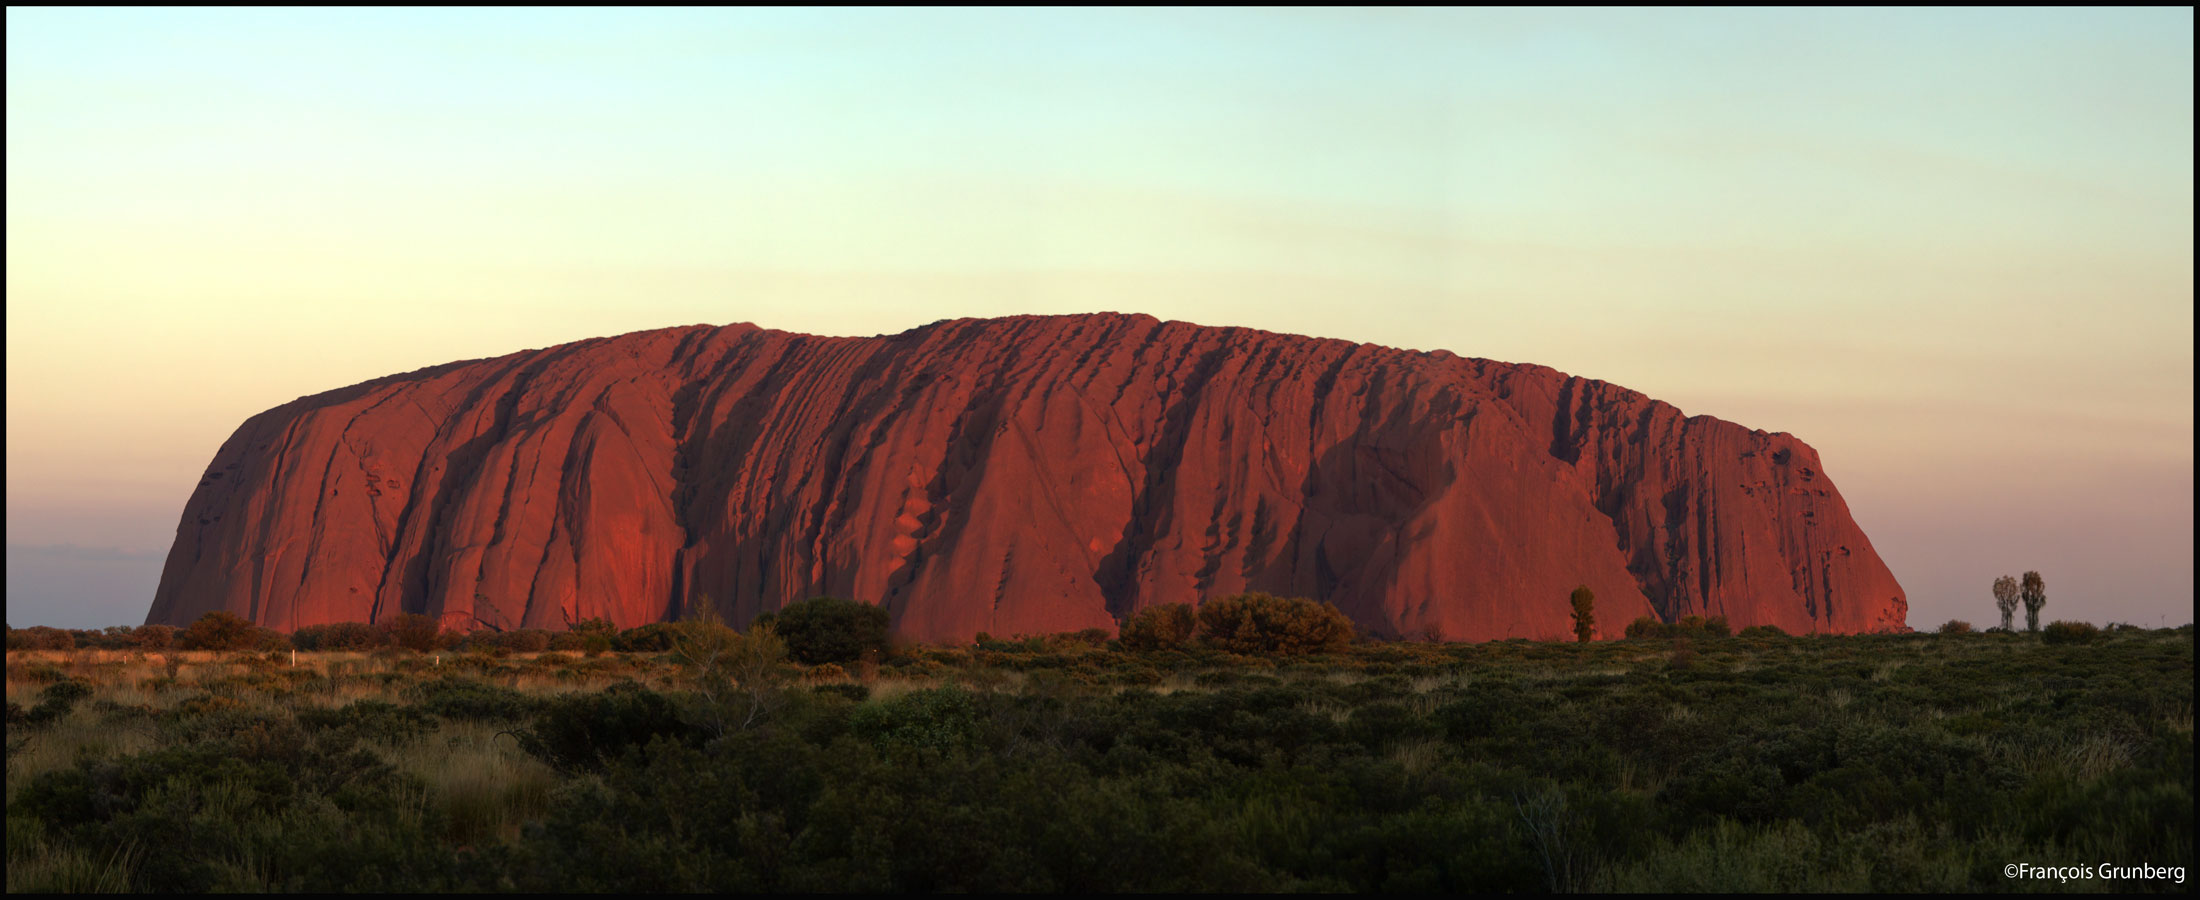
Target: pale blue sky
{"points": [[1949, 248]]}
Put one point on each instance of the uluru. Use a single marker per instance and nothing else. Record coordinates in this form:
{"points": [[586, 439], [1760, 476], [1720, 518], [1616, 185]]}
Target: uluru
{"points": [[1019, 475]]}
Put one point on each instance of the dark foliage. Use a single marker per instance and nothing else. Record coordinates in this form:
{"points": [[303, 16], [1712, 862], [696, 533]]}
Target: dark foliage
{"points": [[2033, 591], [452, 697], [339, 636], [590, 636], [581, 732], [56, 701], [2070, 633], [595, 625], [831, 630], [655, 637], [1692, 627], [368, 720], [522, 640], [264, 809], [1909, 763], [1584, 603]]}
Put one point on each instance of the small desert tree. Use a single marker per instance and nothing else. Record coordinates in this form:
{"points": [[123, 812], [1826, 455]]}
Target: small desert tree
{"points": [[218, 630], [2005, 598], [2034, 593], [154, 637], [738, 677], [40, 637], [1585, 616], [1163, 627]]}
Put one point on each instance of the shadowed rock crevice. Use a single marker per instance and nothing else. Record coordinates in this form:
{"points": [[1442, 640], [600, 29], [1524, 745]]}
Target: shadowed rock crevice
{"points": [[1153, 505]]}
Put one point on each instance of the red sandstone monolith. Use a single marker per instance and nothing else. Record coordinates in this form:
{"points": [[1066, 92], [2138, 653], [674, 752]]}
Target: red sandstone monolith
{"points": [[1017, 476]]}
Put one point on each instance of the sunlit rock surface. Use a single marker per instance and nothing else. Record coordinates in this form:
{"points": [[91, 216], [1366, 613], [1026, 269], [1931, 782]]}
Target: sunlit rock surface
{"points": [[1017, 476]]}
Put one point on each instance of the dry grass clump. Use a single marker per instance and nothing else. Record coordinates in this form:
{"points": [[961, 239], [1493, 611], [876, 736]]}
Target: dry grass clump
{"points": [[485, 784]]}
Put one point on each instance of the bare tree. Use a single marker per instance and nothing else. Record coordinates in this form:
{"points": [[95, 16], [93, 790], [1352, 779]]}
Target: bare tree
{"points": [[2035, 596], [1560, 839], [2005, 597]]}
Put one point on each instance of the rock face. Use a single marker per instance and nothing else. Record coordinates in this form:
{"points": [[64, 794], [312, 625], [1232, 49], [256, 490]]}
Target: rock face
{"points": [[1017, 476]]}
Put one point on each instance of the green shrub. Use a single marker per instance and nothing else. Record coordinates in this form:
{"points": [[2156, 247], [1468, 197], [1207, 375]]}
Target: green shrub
{"points": [[2060, 632], [585, 731], [854, 692], [589, 642], [1258, 623], [1387, 722], [522, 640], [1683, 657], [369, 720], [240, 812], [940, 719], [1088, 637], [595, 625], [1699, 626], [1763, 631], [1163, 627], [55, 703], [462, 698], [1955, 626], [830, 630], [1647, 627]]}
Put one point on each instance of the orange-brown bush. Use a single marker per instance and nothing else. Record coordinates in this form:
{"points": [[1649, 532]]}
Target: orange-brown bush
{"points": [[412, 632], [1264, 623], [1164, 627]]}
